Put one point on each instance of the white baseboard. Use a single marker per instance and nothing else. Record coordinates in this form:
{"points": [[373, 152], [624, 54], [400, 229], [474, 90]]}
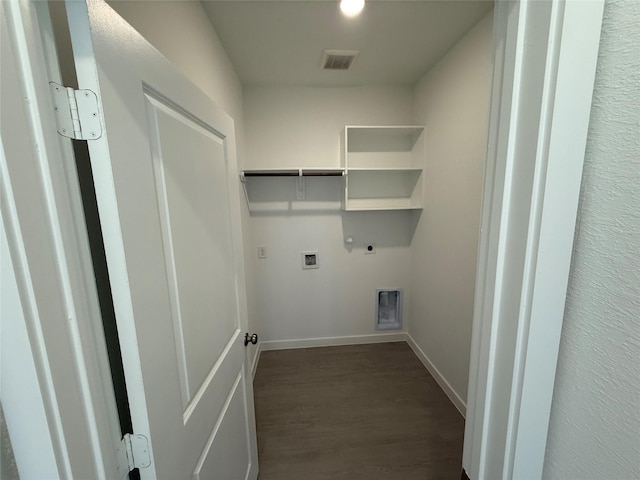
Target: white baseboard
{"points": [[256, 359], [333, 341], [435, 373]]}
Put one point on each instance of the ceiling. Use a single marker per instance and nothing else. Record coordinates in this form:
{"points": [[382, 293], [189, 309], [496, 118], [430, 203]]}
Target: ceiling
{"points": [[281, 42]]}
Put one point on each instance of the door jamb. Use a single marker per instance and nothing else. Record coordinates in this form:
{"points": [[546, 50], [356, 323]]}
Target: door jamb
{"points": [[49, 253], [545, 56]]}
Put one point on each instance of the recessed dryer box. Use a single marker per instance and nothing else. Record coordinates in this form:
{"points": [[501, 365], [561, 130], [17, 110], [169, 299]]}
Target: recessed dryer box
{"points": [[389, 309]]}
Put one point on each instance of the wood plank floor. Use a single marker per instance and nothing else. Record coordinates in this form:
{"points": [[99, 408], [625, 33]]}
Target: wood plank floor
{"points": [[355, 412]]}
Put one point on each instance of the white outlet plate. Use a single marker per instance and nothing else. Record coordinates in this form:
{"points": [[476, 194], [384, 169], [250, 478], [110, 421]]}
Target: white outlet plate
{"points": [[310, 260]]}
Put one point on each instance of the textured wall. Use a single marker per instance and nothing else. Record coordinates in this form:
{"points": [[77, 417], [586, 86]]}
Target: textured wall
{"points": [[595, 420], [8, 467], [452, 100]]}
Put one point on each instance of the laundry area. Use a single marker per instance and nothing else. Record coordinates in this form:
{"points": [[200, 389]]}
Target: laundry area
{"points": [[242, 239], [360, 197], [310, 205]]}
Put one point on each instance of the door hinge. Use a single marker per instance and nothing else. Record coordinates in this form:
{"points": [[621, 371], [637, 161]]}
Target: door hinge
{"points": [[133, 452], [76, 112]]}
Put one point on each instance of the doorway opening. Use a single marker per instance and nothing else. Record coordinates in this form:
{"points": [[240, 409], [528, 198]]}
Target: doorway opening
{"points": [[452, 181]]}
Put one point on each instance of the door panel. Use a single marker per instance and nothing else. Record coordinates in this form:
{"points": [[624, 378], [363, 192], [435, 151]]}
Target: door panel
{"points": [[191, 174], [223, 458], [166, 181]]}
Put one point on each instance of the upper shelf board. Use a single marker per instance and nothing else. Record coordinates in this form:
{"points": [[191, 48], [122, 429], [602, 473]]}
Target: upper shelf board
{"points": [[382, 139]]}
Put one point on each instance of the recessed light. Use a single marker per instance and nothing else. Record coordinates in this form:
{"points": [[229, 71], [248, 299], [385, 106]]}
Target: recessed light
{"points": [[351, 8]]}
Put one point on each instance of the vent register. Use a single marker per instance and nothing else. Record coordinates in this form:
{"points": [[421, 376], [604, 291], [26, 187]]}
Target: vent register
{"points": [[338, 59]]}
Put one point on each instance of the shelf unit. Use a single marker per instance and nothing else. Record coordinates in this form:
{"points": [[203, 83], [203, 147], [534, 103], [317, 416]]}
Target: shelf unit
{"points": [[383, 167]]}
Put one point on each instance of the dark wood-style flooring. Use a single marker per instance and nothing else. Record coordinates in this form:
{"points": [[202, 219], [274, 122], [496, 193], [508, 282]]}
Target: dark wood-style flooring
{"points": [[355, 412]]}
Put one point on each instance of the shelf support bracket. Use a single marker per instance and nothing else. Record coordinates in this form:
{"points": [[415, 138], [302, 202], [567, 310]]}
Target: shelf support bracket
{"points": [[243, 180], [300, 186]]}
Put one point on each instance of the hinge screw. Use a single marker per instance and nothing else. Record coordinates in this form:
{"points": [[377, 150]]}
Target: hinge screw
{"points": [[93, 134]]}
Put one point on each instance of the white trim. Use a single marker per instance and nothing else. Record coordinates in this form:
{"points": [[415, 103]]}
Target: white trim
{"points": [[256, 359], [566, 137], [30, 408], [446, 387], [545, 60], [64, 329], [332, 341]]}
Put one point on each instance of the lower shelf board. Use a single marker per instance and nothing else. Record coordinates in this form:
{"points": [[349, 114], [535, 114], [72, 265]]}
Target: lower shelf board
{"points": [[364, 204]]}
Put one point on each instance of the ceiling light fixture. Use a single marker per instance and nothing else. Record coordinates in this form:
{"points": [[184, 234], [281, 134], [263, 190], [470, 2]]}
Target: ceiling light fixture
{"points": [[351, 8]]}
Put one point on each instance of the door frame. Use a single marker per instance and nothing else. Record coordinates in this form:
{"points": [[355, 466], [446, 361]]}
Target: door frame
{"points": [[541, 99], [545, 56], [53, 317]]}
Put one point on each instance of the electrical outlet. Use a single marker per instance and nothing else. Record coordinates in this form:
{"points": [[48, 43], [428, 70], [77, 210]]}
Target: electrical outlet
{"points": [[262, 252], [369, 249]]}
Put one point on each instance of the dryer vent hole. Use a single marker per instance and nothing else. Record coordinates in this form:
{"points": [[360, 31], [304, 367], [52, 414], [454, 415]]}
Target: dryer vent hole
{"points": [[388, 309]]}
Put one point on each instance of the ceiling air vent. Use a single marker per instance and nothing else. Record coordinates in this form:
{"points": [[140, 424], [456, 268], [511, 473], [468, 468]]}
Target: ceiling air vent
{"points": [[338, 59]]}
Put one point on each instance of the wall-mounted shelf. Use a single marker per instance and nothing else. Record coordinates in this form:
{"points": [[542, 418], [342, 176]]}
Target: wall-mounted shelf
{"points": [[383, 167]]}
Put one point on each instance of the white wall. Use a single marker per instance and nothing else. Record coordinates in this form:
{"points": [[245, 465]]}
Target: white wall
{"points": [[301, 127], [594, 431], [181, 31], [452, 100]]}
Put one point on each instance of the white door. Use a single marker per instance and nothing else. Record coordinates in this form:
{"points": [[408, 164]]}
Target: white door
{"points": [[166, 181]]}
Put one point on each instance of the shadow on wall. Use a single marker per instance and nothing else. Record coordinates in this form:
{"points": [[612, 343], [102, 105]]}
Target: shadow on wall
{"points": [[276, 197], [382, 229]]}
